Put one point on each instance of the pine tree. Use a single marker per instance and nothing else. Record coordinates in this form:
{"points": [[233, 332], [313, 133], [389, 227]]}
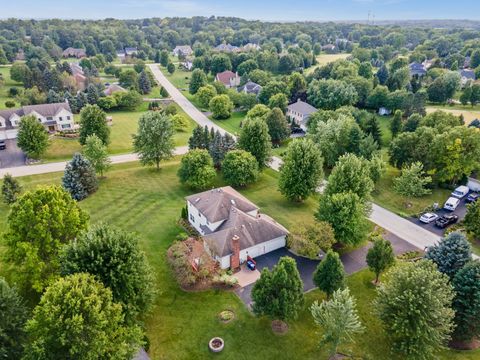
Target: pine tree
{"points": [[144, 84], [10, 189], [330, 274], [92, 94], [216, 149], [81, 100], [72, 101], [79, 178], [382, 75], [195, 141], [54, 97], [207, 137], [396, 124]]}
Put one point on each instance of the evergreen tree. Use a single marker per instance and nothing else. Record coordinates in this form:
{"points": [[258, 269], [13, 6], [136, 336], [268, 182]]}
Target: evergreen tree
{"points": [[196, 140], [72, 102], [164, 58], [81, 100], [382, 75], [371, 127], [144, 84], [330, 274], [197, 80], [171, 68], [278, 294], [396, 124], [54, 97], [278, 127], [216, 149], [10, 189], [79, 178], [380, 256], [255, 139]]}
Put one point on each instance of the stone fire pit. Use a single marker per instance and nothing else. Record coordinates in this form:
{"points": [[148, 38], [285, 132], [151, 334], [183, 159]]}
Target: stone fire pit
{"points": [[216, 344]]}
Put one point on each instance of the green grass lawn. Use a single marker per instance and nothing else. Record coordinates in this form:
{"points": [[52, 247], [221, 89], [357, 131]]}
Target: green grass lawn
{"points": [[324, 59], [232, 124], [7, 84], [148, 202], [469, 113], [384, 122], [124, 126]]}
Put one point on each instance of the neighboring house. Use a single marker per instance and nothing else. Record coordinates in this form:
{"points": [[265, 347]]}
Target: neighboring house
{"points": [[73, 52], [79, 76], [427, 64], [251, 47], [113, 88], [466, 75], [228, 78], [232, 227], [417, 69], [183, 50], [466, 63], [20, 55], [187, 65], [250, 88], [299, 112], [54, 117], [329, 48], [227, 48], [383, 111], [130, 51]]}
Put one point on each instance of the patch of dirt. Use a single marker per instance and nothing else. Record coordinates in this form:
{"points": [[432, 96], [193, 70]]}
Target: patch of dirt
{"points": [[279, 327], [465, 345]]}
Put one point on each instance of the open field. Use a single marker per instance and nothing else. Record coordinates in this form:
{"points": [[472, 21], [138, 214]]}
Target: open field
{"points": [[324, 59], [7, 84], [469, 113], [148, 202]]}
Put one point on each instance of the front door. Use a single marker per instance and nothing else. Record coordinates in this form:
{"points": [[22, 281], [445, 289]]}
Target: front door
{"points": [[51, 128]]}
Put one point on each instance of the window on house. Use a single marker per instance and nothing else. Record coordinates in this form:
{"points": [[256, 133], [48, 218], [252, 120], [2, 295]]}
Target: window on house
{"points": [[192, 218], [40, 120], [66, 126], [60, 118], [49, 118], [68, 117]]}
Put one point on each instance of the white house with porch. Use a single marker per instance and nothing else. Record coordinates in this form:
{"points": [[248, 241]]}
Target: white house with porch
{"points": [[299, 112], [232, 228], [54, 117]]}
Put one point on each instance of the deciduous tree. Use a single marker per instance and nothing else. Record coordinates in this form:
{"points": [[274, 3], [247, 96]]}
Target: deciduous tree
{"points": [[278, 127], [255, 139], [32, 137], [329, 275], [96, 152], [196, 169], [308, 239], [221, 107], [380, 256], [472, 220], [93, 121], [10, 189], [239, 168]]}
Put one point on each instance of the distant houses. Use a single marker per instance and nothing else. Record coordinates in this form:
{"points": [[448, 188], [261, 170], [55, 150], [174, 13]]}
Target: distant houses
{"points": [[113, 88], [299, 112], [329, 48], [228, 78], [182, 50], [417, 69], [227, 48], [74, 52], [250, 88], [466, 75], [79, 76], [54, 117]]}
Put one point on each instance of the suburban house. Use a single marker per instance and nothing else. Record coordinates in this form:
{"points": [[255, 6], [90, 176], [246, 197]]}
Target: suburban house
{"points": [[232, 228], [466, 75], [182, 50], [417, 69], [20, 56], [73, 52], [329, 48], [228, 78], [383, 111], [227, 48], [250, 88], [113, 88], [251, 47], [299, 112], [187, 65], [54, 117], [79, 76]]}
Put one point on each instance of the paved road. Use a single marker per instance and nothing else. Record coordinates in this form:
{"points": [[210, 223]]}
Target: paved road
{"points": [[60, 166]]}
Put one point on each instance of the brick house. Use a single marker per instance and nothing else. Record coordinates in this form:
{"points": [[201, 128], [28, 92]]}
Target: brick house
{"points": [[228, 78]]}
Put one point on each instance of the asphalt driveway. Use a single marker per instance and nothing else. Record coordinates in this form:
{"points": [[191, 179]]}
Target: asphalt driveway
{"points": [[12, 156]]}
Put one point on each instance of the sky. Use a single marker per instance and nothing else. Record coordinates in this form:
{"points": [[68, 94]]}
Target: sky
{"points": [[273, 10]]}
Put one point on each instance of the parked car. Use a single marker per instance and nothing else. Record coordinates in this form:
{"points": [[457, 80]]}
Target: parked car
{"points": [[472, 197], [3, 145], [445, 220], [460, 191], [451, 204], [428, 217]]}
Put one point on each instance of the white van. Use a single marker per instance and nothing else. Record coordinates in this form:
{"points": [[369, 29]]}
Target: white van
{"points": [[451, 204], [460, 191]]}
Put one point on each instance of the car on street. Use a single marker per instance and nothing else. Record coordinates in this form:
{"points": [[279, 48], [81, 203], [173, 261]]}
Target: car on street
{"points": [[451, 204], [472, 197], [443, 221], [428, 217], [3, 145], [460, 191]]}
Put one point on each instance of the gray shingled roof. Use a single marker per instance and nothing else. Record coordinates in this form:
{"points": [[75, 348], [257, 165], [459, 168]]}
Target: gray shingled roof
{"points": [[302, 107], [251, 88], [46, 109], [215, 204], [467, 73]]}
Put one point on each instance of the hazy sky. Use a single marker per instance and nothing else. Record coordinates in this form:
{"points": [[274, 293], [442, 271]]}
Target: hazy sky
{"points": [[283, 10]]}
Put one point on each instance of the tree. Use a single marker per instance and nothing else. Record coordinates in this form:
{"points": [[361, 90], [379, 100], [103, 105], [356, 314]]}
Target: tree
{"points": [[279, 101], [171, 68], [239, 168], [450, 254], [467, 302], [412, 182], [380, 256], [331, 94], [472, 220], [220, 63], [218, 146], [144, 84], [382, 75], [79, 178], [93, 121], [32, 137], [35, 235], [270, 89], [92, 94], [301, 171], [278, 127], [205, 94], [278, 294], [345, 212], [114, 257], [255, 139], [416, 288], [13, 316], [396, 124], [338, 319], [10, 189], [77, 318], [198, 80], [154, 139], [259, 111], [221, 107], [308, 239], [129, 100], [196, 169], [475, 59], [297, 86], [180, 122], [128, 79], [351, 174], [164, 58], [96, 152], [329, 275]]}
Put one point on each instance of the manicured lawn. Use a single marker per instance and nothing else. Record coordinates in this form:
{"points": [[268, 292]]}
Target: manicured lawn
{"points": [[148, 202], [7, 84], [232, 124], [385, 122], [469, 113], [324, 59], [124, 126]]}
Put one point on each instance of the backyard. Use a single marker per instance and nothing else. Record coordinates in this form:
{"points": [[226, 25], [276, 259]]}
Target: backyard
{"points": [[324, 59], [148, 202], [7, 84]]}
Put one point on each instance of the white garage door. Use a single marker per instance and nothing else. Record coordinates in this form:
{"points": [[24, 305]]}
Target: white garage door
{"points": [[262, 248], [12, 134]]}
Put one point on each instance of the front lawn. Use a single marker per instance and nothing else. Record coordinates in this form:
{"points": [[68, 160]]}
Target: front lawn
{"points": [[232, 124]]}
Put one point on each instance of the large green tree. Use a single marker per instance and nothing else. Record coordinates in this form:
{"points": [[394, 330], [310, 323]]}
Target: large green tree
{"points": [[77, 319], [93, 121], [221, 107], [278, 294], [40, 222], [198, 80], [278, 127], [114, 257], [79, 178], [380, 256], [301, 171], [255, 139], [472, 220], [154, 139], [205, 94], [11, 188], [329, 275], [412, 182], [416, 288], [96, 152], [196, 169], [331, 94], [32, 137], [239, 168]]}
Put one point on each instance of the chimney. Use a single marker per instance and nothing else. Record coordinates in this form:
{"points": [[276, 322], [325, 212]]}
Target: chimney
{"points": [[235, 257]]}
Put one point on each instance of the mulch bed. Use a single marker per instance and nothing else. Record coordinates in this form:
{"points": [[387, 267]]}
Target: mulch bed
{"points": [[465, 345], [279, 327]]}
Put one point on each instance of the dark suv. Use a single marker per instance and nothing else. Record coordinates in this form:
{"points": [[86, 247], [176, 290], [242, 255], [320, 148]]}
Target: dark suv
{"points": [[3, 145], [445, 220]]}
